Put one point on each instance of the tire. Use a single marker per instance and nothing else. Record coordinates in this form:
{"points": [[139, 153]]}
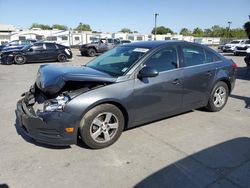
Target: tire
{"points": [[91, 52], [96, 131], [218, 97], [20, 59], [62, 58], [83, 54]]}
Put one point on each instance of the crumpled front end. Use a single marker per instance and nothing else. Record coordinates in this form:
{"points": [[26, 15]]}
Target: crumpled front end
{"points": [[47, 122]]}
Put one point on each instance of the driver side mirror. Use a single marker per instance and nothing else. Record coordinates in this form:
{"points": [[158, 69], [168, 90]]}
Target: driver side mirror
{"points": [[30, 50], [147, 71]]}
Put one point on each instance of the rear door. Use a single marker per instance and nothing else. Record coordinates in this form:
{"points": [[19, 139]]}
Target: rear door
{"points": [[198, 76]]}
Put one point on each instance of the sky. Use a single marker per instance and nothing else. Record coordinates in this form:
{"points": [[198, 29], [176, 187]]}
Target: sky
{"points": [[138, 15]]}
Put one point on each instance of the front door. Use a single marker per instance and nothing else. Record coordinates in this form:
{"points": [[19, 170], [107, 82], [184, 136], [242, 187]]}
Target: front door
{"points": [[160, 96]]}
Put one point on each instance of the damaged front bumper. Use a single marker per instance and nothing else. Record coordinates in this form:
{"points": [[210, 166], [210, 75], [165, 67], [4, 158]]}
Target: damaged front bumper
{"points": [[48, 128]]}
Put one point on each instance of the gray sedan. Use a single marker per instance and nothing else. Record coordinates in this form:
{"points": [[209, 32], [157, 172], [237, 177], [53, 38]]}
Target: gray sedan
{"points": [[130, 85]]}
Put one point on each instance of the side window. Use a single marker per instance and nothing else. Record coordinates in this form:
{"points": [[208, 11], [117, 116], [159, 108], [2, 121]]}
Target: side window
{"points": [[50, 46], [163, 60], [116, 41], [38, 47], [211, 57], [24, 42], [110, 41], [193, 55]]}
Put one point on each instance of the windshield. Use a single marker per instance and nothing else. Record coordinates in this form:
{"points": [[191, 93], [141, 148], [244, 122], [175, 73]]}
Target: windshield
{"points": [[26, 47], [247, 42], [235, 42], [118, 60]]}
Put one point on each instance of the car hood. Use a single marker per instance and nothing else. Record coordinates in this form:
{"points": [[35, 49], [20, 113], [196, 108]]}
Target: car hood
{"points": [[52, 78]]}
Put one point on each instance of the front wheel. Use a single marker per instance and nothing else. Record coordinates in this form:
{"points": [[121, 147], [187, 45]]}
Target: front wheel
{"points": [[101, 126], [218, 97], [19, 59], [62, 58]]}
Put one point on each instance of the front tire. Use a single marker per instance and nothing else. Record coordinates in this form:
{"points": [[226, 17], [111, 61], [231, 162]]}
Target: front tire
{"points": [[102, 126], [62, 58], [218, 97], [20, 59]]}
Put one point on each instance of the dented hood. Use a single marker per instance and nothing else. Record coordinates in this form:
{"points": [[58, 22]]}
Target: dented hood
{"points": [[52, 78]]}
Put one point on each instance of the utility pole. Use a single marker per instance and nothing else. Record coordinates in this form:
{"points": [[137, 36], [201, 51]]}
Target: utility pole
{"points": [[156, 14], [228, 32]]}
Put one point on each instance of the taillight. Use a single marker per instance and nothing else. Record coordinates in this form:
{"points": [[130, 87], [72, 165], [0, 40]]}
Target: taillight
{"points": [[234, 65]]}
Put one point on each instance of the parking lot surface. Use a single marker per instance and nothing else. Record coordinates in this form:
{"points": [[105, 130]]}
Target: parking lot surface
{"points": [[194, 149]]}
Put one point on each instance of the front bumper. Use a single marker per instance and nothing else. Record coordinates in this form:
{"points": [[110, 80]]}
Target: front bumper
{"points": [[47, 129]]}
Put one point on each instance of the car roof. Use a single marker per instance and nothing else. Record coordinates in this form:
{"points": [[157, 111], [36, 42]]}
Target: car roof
{"points": [[154, 44]]}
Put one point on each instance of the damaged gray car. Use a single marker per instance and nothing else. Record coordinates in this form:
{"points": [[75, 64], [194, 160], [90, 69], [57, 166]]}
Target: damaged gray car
{"points": [[130, 85]]}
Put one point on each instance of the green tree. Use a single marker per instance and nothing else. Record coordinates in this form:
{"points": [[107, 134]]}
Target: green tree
{"points": [[41, 26], [207, 32], [125, 30], [60, 27], [238, 33], [247, 29], [185, 32], [162, 30], [198, 32], [83, 27]]}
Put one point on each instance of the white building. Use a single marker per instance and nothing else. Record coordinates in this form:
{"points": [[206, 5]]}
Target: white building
{"points": [[5, 31], [74, 38]]}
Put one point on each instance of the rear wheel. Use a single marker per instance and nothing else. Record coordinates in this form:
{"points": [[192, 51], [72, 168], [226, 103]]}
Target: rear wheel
{"points": [[101, 126], [61, 58], [19, 59], [91, 52], [218, 97]]}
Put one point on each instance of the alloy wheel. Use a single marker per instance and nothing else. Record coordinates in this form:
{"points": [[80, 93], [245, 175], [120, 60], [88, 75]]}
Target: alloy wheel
{"points": [[219, 97], [104, 127]]}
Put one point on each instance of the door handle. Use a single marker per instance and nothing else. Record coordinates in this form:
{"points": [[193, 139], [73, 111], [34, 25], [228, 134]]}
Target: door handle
{"points": [[176, 82]]}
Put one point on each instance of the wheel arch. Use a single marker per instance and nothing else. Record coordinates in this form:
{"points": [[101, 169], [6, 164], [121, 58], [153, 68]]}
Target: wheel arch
{"points": [[116, 103], [227, 82]]}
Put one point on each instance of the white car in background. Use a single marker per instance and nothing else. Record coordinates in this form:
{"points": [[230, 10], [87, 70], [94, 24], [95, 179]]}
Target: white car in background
{"points": [[229, 47], [242, 48]]}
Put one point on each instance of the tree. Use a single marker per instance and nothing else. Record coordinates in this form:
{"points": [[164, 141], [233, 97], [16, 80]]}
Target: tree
{"points": [[60, 27], [247, 29], [162, 30], [125, 30], [198, 32], [41, 26], [83, 27], [185, 32]]}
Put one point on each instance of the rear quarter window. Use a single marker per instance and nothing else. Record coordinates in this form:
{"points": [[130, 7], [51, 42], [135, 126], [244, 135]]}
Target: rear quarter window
{"points": [[211, 56]]}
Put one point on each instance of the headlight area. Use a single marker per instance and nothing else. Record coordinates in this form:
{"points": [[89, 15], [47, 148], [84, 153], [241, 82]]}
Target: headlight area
{"points": [[52, 105]]}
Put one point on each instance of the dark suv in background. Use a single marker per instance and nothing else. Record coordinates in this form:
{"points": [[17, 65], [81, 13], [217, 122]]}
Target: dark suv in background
{"points": [[99, 46]]}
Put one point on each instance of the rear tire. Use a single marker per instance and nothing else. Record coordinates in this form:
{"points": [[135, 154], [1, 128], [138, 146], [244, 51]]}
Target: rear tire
{"points": [[101, 126], [20, 59], [218, 97], [91, 52]]}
